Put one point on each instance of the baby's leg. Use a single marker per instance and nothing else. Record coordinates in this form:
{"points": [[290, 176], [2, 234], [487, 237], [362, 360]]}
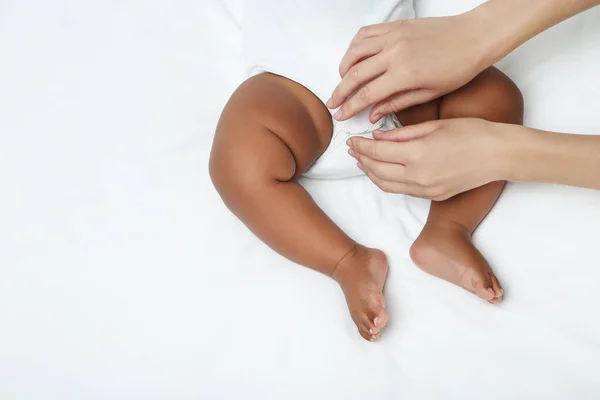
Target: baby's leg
{"points": [[444, 248], [271, 131]]}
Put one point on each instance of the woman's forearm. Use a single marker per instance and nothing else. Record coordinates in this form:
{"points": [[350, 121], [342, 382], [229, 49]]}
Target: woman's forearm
{"points": [[539, 156], [509, 23], [533, 155]]}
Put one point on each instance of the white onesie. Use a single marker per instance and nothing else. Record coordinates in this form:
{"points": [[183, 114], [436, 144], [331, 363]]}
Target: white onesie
{"points": [[305, 41]]}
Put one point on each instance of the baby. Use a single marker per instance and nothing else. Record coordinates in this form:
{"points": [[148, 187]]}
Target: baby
{"points": [[276, 128]]}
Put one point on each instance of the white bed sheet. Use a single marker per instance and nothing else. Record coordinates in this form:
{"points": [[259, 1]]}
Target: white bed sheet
{"points": [[122, 276]]}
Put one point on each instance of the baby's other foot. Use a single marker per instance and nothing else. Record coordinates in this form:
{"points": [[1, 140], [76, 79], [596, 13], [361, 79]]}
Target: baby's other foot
{"points": [[361, 274], [444, 249]]}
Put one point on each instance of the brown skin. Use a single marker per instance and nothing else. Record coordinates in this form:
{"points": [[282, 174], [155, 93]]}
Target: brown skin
{"points": [[272, 130]]}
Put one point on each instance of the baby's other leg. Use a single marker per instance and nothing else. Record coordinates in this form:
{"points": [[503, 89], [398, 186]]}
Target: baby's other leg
{"points": [[271, 131], [444, 247]]}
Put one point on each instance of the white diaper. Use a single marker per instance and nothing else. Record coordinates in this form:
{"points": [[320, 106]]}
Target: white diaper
{"points": [[336, 163], [305, 41]]}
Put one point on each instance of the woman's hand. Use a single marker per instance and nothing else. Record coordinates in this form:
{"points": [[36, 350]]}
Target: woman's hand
{"points": [[400, 64], [408, 62], [437, 159]]}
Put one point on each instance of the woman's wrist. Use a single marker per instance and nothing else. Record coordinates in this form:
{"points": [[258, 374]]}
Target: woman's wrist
{"points": [[530, 155], [502, 156], [503, 25], [526, 154], [517, 153], [487, 37]]}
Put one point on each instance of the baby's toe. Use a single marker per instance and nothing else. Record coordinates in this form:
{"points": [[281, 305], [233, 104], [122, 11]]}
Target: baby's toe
{"points": [[368, 325], [381, 320], [376, 310], [365, 334], [373, 327], [497, 289], [483, 288], [375, 319]]}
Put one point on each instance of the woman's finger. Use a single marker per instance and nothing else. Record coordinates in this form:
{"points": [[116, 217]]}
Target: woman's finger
{"points": [[382, 170], [358, 51], [387, 186], [402, 101], [380, 150], [407, 133], [372, 30], [393, 185], [371, 93], [364, 71]]}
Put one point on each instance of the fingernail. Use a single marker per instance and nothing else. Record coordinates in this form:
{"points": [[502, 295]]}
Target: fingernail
{"points": [[329, 102], [351, 152], [338, 114], [376, 321], [372, 331], [349, 143], [372, 340]]}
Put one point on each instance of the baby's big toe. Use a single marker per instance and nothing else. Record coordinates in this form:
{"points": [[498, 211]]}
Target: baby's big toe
{"points": [[376, 321], [371, 323], [483, 287], [489, 288], [381, 320], [485, 294]]}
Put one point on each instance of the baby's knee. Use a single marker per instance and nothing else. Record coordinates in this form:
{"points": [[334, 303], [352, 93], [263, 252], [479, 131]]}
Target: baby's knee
{"points": [[246, 158], [232, 170], [492, 96], [500, 98]]}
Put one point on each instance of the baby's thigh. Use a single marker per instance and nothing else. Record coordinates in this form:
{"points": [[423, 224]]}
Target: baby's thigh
{"points": [[273, 118], [420, 113], [491, 95]]}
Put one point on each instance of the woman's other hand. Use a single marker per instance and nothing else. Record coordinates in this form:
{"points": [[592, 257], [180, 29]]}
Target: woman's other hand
{"points": [[400, 64]]}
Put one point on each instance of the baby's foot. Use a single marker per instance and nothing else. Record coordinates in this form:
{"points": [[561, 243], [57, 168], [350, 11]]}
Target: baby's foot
{"points": [[444, 249], [361, 274]]}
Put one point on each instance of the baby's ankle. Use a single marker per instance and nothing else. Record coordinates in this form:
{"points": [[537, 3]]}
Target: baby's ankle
{"points": [[345, 262]]}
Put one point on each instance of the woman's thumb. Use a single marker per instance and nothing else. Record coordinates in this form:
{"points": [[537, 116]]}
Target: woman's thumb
{"points": [[406, 133]]}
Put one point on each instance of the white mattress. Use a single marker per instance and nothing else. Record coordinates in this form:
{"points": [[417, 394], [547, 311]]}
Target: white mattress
{"points": [[122, 276]]}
